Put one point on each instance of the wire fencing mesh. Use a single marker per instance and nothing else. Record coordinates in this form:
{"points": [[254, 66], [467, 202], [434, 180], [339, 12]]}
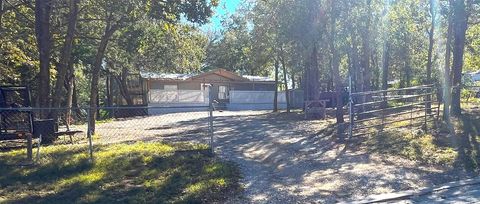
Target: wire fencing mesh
{"points": [[31, 135], [188, 124], [57, 134]]}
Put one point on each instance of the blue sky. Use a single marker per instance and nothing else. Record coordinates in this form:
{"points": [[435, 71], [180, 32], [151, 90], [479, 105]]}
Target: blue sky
{"points": [[225, 7]]}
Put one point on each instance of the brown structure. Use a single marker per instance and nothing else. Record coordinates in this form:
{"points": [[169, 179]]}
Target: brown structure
{"points": [[228, 90], [220, 81]]}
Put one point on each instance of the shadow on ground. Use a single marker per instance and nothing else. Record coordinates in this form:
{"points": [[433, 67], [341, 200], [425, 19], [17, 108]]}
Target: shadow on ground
{"points": [[468, 134], [285, 158], [136, 173]]}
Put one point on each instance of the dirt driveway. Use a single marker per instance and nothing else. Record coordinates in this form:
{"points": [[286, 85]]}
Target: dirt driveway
{"points": [[284, 158]]}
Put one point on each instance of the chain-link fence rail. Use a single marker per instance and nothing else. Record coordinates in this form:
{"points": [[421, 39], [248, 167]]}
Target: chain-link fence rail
{"points": [[24, 131], [29, 135], [162, 124]]}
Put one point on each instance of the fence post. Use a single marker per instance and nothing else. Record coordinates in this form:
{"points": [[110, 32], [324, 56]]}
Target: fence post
{"points": [[411, 113], [210, 119], [427, 98], [350, 107], [89, 133], [38, 147], [29, 147]]}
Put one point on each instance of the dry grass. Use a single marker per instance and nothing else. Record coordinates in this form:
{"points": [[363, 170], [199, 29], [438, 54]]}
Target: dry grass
{"points": [[433, 145]]}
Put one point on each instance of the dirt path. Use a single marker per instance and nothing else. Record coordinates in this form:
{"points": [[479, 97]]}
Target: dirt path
{"points": [[287, 159]]}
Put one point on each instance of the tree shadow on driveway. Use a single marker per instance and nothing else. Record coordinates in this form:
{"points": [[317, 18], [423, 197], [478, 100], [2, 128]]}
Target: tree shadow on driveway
{"points": [[285, 158]]}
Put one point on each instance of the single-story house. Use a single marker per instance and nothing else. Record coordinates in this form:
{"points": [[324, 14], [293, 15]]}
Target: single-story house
{"points": [[228, 90]]}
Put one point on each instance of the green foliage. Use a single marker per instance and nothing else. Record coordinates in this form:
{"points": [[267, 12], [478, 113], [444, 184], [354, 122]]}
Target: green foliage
{"points": [[171, 48], [135, 173], [472, 51], [162, 36], [18, 55], [235, 51], [148, 35]]}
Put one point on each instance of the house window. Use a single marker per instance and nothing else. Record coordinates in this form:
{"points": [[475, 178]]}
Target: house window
{"points": [[223, 92], [170, 87]]}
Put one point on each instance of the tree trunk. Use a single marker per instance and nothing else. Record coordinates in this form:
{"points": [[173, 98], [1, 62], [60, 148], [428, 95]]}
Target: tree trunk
{"points": [[431, 42], [65, 56], [108, 90], [354, 69], [42, 33], [1, 14], [385, 71], [70, 90], [336, 69], [367, 72], [293, 80], [75, 105], [275, 96], [385, 66], [122, 83], [447, 98], [285, 80], [405, 55], [313, 76], [460, 28], [97, 64]]}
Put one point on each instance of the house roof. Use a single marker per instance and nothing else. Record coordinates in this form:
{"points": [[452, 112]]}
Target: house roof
{"points": [[221, 72], [257, 78], [152, 75]]}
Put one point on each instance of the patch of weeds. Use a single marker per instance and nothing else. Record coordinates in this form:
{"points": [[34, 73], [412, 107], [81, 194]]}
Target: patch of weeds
{"points": [[404, 123], [414, 146]]}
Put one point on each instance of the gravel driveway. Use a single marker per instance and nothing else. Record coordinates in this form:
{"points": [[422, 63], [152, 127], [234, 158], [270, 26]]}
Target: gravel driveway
{"points": [[284, 158]]}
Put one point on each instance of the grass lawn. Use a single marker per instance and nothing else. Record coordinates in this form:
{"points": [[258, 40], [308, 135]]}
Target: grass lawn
{"points": [[125, 173]]}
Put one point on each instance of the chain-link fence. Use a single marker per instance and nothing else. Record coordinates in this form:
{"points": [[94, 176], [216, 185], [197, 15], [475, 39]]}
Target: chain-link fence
{"points": [[30, 135]]}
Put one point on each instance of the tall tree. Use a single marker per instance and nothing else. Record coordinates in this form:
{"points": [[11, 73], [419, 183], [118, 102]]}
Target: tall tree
{"points": [[431, 43], [336, 64], [1, 13], [366, 48], [117, 15], [447, 89], [44, 43], [275, 94], [65, 56], [460, 23], [285, 79], [385, 46]]}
